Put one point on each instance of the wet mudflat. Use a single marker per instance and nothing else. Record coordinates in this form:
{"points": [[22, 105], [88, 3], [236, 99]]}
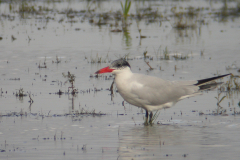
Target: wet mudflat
{"points": [[43, 40]]}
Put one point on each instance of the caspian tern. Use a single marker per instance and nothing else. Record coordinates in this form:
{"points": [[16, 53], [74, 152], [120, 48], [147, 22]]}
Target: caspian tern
{"points": [[152, 93]]}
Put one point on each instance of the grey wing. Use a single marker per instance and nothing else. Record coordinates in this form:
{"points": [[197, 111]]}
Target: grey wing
{"points": [[156, 91]]}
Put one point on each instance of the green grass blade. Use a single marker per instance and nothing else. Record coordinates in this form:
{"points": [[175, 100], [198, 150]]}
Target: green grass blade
{"points": [[222, 99], [125, 7], [128, 8], [122, 6]]}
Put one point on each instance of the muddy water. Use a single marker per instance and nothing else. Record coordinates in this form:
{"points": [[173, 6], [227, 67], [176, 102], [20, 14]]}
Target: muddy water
{"points": [[52, 128]]}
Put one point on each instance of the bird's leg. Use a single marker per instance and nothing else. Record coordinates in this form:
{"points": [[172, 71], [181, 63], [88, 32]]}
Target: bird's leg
{"points": [[150, 117], [146, 118]]}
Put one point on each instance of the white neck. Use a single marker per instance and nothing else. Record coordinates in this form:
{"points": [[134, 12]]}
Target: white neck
{"points": [[123, 73]]}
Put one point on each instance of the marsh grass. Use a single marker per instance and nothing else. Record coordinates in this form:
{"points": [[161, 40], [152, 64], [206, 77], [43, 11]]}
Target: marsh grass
{"points": [[220, 110], [125, 9], [232, 83], [219, 100], [230, 88], [236, 83]]}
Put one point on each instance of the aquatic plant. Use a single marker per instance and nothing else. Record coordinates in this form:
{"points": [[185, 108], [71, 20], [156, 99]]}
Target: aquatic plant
{"points": [[20, 93], [58, 60], [158, 52], [219, 100], [25, 7], [31, 100], [84, 148], [145, 54], [44, 64], [125, 9], [202, 52], [140, 35], [180, 57], [232, 83], [183, 25], [13, 38], [185, 20], [166, 54], [227, 11], [126, 36], [87, 112], [71, 79]]}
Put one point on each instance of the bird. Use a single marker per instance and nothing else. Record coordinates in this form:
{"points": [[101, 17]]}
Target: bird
{"points": [[153, 93]]}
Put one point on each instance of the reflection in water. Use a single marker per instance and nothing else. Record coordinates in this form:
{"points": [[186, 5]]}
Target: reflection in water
{"points": [[127, 38], [71, 107], [72, 99], [111, 90], [195, 140], [147, 141], [187, 24], [184, 36]]}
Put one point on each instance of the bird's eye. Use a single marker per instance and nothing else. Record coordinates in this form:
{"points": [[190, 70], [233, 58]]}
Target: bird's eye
{"points": [[118, 65]]}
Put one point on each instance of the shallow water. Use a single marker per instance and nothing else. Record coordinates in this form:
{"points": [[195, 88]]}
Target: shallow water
{"points": [[27, 130], [119, 138]]}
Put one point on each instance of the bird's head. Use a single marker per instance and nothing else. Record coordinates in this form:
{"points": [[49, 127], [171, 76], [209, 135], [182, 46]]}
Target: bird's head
{"points": [[115, 67]]}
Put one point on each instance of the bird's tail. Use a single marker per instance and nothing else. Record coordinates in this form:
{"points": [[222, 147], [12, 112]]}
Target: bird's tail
{"points": [[208, 83]]}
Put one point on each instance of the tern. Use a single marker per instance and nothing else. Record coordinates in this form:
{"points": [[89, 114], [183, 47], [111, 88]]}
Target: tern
{"points": [[152, 93]]}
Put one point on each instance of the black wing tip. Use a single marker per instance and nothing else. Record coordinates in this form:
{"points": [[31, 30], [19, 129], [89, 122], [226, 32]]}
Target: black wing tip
{"points": [[203, 81], [209, 86]]}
